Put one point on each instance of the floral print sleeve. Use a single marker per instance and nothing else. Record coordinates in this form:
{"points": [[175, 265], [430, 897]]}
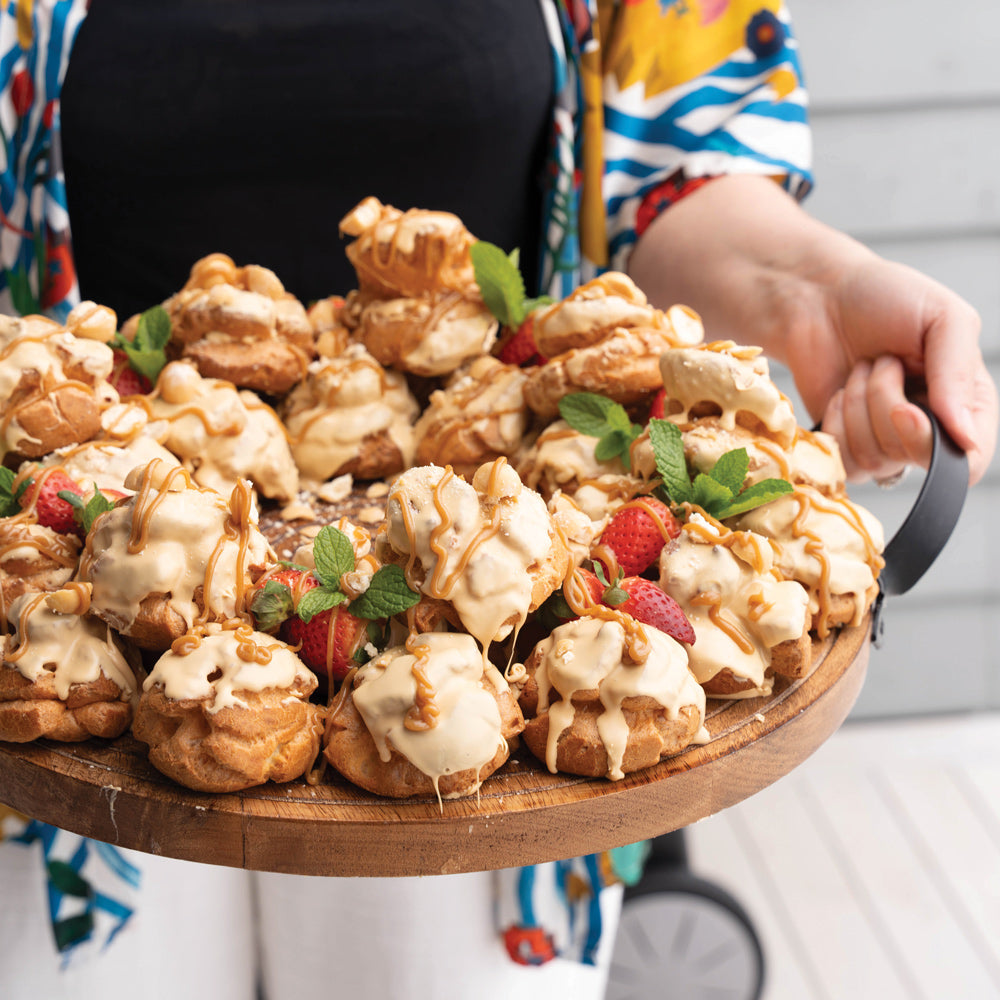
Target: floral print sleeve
{"points": [[36, 265], [653, 98]]}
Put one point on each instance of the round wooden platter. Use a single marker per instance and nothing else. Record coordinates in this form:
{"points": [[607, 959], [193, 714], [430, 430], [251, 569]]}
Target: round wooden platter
{"points": [[523, 815]]}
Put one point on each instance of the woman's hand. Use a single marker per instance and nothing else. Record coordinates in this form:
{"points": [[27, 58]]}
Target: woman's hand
{"points": [[855, 330]]}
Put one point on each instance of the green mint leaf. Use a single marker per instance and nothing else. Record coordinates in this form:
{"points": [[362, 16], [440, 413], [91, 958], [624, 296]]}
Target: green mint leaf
{"points": [[317, 600], [8, 502], [709, 494], [146, 354], [333, 555], [500, 282], [87, 513], [731, 469], [153, 330], [756, 496], [612, 446], [271, 605], [668, 451], [590, 413], [388, 594]]}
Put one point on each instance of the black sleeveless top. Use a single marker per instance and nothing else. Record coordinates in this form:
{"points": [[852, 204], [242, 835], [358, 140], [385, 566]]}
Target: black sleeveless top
{"points": [[251, 127]]}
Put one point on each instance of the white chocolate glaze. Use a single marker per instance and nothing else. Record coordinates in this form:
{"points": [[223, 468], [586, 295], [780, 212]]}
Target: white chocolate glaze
{"points": [[736, 379], [829, 544], [218, 661], [343, 401], [590, 654], [54, 634], [223, 434], [476, 543], [739, 607], [453, 724], [172, 538]]}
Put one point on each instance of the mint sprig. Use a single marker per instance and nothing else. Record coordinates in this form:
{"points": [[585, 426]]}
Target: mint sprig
{"points": [[147, 352], [86, 513], [719, 492], [388, 593], [9, 497], [498, 275], [602, 418]]}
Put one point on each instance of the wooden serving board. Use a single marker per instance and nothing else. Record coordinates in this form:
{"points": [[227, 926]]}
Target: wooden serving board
{"points": [[523, 815]]}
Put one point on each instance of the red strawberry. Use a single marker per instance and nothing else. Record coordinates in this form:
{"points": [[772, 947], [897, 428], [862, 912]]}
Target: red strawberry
{"points": [[126, 379], [648, 604], [520, 349], [50, 509], [328, 641], [637, 533], [658, 408]]}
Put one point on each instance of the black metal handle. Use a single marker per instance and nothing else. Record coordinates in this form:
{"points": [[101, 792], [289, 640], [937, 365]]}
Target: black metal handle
{"points": [[930, 523]]}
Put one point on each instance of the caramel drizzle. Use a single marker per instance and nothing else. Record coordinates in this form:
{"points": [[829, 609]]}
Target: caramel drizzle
{"points": [[758, 606], [248, 649], [15, 654], [424, 713], [385, 256], [581, 603], [712, 599]]}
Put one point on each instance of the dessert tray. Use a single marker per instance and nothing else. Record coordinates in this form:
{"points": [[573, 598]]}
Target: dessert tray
{"points": [[523, 814]]}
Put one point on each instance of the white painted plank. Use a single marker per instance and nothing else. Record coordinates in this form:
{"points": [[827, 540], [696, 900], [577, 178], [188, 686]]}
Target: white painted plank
{"points": [[716, 853], [957, 851], [883, 174], [856, 52], [831, 917]]}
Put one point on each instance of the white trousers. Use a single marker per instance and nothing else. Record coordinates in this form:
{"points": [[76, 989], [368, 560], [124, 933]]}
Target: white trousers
{"points": [[205, 933]]}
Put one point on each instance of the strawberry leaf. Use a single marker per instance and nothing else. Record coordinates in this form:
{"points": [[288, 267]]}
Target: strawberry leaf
{"points": [[271, 605], [333, 555], [668, 451], [602, 418], [317, 600], [388, 594], [500, 282]]}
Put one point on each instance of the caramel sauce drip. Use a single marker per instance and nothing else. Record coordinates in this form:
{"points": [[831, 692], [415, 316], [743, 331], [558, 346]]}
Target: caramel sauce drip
{"points": [[236, 528], [148, 498], [32, 338], [726, 537], [815, 546], [424, 713], [439, 250], [713, 601], [581, 603], [777, 454], [322, 411], [758, 606], [13, 655]]}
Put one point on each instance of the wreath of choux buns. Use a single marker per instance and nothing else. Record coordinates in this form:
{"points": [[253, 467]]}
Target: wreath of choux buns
{"points": [[393, 535]]}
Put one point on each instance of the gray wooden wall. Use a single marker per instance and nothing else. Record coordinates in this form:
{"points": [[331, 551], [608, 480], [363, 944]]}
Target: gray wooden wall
{"points": [[906, 118]]}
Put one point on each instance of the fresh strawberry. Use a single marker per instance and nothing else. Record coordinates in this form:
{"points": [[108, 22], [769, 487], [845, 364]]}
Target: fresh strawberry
{"points": [[314, 611], [520, 348], [637, 533], [51, 510], [125, 378], [648, 604], [657, 409], [328, 641]]}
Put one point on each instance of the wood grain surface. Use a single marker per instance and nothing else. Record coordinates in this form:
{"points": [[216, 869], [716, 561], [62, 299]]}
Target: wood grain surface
{"points": [[523, 815]]}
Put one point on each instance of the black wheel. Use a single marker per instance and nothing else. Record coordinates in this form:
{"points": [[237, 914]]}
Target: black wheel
{"points": [[683, 937]]}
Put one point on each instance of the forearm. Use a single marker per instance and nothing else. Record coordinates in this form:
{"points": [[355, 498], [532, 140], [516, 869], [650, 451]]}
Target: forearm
{"points": [[747, 258]]}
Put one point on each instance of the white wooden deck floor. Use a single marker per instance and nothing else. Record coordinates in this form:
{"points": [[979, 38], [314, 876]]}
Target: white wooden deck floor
{"points": [[872, 872]]}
